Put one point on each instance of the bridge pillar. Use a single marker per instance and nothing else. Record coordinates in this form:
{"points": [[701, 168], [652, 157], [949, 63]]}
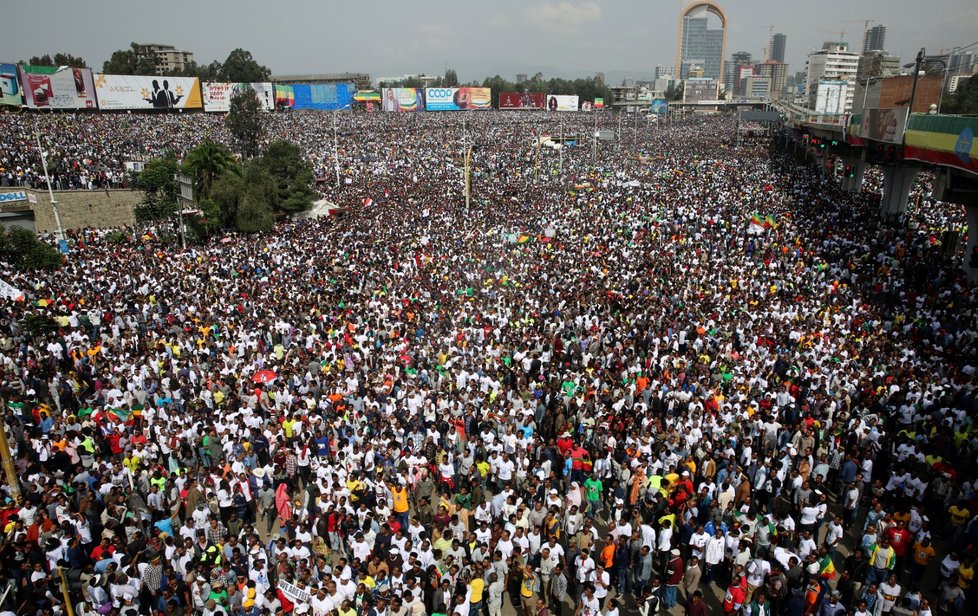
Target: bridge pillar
{"points": [[857, 167], [897, 182], [972, 272]]}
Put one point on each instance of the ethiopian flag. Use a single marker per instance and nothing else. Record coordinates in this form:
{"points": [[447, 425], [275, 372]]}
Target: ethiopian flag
{"points": [[756, 225], [826, 568], [770, 222], [523, 239]]}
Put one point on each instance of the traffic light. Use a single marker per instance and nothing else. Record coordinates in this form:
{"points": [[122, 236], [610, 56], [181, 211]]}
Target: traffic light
{"points": [[834, 143], [850, 173]]}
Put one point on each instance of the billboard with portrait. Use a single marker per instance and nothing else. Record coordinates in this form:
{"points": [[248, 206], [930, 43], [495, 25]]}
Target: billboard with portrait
{"points": [[522, 100], [457, 99], [886, 125], [700, 89], [660, 106], [147, 92], [10, 93], [50, 87], [218, 95], [402, 99], [830, 98], [562, 102]]}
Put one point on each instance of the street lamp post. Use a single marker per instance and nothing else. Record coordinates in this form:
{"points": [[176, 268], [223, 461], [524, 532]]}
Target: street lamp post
{"points": [[916, 73], [336, 147], [47, 178]]}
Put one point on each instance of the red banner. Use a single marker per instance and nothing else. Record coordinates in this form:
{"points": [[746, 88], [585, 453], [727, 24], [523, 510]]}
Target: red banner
{"points": [[526, 100]]}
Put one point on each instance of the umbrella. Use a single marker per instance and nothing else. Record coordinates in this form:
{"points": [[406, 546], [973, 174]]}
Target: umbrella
{"points": [[264, 376]]}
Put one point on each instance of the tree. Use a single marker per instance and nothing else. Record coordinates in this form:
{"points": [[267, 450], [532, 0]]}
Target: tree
{"points": [[240, 66], [292, 175], [964, 100], [674, 93], [244, 121], [159, 189], [59, 59], [25, 252], [451, 78], [129, 62], [207, 162]]}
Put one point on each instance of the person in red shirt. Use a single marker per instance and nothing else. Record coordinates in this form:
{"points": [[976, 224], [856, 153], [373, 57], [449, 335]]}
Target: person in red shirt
{"points": [[103, 550], [736, 594], [900, 538]]}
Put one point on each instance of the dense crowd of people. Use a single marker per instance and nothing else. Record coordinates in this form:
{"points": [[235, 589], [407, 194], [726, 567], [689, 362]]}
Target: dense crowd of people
{"points": [[662, 373]]}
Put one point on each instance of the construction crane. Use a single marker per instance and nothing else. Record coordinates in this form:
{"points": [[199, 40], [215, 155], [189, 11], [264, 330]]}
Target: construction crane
{"points": [[767, 48], [842, 34], [864, 22]]}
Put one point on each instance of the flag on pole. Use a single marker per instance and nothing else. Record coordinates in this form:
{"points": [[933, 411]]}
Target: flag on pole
{"points": [[368, 202], [756, 225]]}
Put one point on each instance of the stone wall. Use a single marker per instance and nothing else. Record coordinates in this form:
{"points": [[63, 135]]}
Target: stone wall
{"points": [[79, 208]]}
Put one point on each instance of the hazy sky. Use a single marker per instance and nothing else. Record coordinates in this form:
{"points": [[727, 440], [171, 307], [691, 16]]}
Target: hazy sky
{"points": [[389, 38]]}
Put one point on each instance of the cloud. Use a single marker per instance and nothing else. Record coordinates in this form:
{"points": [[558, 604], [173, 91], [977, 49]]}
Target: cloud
{"points": [[500, 21], [566, 17]]}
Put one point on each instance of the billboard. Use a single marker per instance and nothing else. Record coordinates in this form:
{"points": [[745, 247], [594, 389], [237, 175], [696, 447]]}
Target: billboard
{"points": [[57, 88], [884, 124], [524, 100], [660, 106], [599, 103], [830, 98], [402, 99], [10, 93], [456, 99], [700, 89], [322, 96], [147, 92], [562, 102], [218, 95]]}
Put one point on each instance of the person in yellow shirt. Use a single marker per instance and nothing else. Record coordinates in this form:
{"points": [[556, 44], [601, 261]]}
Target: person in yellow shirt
{"points": [[966, 573], [401, 502]]}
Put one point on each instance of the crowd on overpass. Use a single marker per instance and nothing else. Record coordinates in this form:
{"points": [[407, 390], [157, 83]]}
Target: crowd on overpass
{"points": [[660, 374]]}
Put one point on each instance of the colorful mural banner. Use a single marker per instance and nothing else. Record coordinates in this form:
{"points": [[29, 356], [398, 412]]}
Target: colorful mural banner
{"points": [[284, 96]]}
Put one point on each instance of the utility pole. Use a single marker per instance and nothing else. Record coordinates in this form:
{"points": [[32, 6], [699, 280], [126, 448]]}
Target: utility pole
{"points": [[336, 151], [13, 481], [561, 119], [468, 180]]}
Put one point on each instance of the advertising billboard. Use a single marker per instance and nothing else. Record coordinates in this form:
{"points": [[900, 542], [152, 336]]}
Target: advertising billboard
{"points": [[57, 88], [522, 100], [457, 99], [322, 96], [884, 124], [147, 92], [700, 89], [562, 102], [10, 93], [402, 99], [830, 98], [660, 106], [218, 95]]}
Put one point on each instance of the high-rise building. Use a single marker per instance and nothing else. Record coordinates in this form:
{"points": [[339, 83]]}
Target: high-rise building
{"points": [[875, 39], [778, 44], [962, 63], [698, 44], [778, 72], [664, 71], [731, 77], [834, 62]]}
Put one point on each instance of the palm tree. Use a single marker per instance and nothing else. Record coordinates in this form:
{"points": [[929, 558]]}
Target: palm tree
{"points": [[207, 162]]}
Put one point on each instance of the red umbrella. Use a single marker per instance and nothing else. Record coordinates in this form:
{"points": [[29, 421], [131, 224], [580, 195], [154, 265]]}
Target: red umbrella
{"points": [[264, 376]]}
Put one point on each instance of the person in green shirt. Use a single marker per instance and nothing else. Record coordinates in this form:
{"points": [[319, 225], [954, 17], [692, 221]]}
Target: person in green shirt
{"points": [[592, 492]]}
